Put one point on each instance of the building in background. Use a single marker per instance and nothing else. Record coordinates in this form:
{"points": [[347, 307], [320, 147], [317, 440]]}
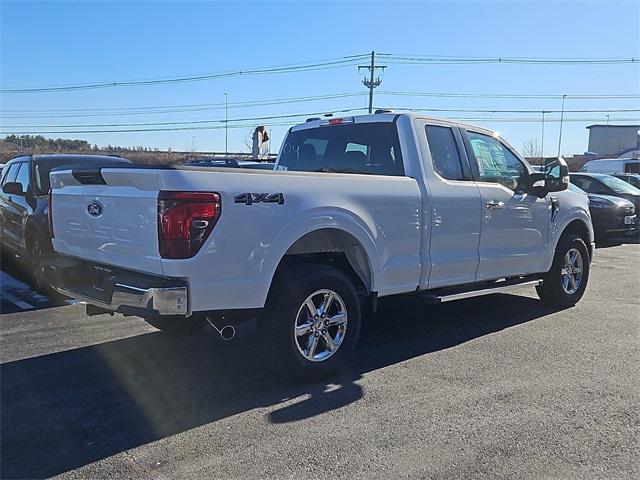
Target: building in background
{"points": [[613, 140]]}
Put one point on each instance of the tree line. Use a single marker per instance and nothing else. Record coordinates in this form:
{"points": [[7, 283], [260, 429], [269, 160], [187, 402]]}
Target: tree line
{"points": [[66, 145]]}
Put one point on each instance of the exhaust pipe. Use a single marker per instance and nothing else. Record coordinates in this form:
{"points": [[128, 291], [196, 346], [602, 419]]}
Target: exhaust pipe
{"points": [[226, 333]]}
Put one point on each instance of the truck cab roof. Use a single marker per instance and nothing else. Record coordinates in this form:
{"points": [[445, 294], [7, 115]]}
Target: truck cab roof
{"points": [[386, 116]]}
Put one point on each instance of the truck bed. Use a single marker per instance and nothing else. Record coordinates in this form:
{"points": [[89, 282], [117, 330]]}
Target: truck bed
{"points": [[234, 267]]}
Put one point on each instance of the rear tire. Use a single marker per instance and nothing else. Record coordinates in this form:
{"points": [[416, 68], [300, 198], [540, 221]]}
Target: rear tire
{"points": [[176, 325], [34, 262], [564, 284], [311, 322]]}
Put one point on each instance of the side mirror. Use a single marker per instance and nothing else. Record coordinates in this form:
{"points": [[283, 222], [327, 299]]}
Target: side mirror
{"points": [[556, 174], [13, 188], [537, 184]]}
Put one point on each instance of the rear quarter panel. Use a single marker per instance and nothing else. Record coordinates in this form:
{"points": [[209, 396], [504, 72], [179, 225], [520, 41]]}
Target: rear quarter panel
{"points": [[235, 267]]}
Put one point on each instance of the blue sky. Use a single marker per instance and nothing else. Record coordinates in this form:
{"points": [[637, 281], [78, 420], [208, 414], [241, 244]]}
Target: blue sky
{"points": [[66, 43]]}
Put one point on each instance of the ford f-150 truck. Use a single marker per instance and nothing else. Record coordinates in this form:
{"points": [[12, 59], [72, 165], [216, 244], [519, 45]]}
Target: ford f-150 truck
{"points": [[356, 209]]}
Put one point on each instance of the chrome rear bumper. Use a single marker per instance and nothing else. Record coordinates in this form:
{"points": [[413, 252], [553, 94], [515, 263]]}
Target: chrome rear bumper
{"points": [[117, 289], [162, 301]]}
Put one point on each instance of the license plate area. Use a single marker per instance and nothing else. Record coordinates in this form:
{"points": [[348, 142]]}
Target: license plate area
{"points": [[630, 219]]}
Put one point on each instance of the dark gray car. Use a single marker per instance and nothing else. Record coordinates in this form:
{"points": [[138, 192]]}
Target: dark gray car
{"points": [[24, 189]]}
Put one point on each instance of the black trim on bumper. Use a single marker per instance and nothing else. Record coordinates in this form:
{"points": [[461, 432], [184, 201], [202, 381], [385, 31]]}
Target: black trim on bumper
{"points": [[117, 289]]}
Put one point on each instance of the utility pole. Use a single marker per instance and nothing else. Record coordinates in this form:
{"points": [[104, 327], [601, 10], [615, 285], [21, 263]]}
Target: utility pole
{"points": [[370, 82], [561, 121], [542, 147], [226, 126]]}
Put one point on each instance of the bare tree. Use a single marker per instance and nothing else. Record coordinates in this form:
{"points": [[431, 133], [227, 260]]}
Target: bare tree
{"points": [[247, 141], [532, 151]]}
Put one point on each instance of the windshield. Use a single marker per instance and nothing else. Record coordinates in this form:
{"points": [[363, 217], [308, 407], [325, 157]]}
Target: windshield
{"points": [[369, 148], [618, 186]]}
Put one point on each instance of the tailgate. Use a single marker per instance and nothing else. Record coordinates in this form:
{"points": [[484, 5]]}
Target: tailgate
{"points": [[107, 215]]}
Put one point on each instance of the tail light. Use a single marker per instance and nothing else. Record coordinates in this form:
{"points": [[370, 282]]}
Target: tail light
{"points": [[185, 220], [50, 213]]}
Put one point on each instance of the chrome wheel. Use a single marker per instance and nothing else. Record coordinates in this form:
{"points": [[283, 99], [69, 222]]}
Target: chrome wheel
{"points": [[572, 271], [321, 325]]}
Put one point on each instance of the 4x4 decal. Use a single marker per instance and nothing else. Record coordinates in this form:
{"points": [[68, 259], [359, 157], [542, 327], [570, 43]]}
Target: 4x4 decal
{"points": [[251, 198]]}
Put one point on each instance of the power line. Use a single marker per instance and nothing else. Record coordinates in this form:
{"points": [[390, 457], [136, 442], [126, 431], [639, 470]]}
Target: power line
{"points": [[270, 117], [284, 123], [189, 122], [495, 110], [307, 67], [325, 64], [159, 109], [511, 95], [337, 95], [152, 110], [455, 60]]}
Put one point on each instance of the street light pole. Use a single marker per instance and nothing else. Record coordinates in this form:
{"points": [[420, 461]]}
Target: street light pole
{"points": [[226, 125], [561, 121], [193, 144], [542, 147]]}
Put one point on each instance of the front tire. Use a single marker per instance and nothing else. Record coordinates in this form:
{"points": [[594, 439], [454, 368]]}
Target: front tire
{"points": [[564, 284], [311, 323]]}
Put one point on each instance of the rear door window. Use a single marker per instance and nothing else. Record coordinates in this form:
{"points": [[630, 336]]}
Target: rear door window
{"points": [[366, 148]]}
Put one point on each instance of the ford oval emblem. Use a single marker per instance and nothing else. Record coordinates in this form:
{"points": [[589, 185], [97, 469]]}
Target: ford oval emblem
{"points": [[95, 208]]}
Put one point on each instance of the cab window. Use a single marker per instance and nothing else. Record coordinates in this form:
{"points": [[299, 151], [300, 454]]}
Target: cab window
{"points": [[495, 162], [10, 173], [445, 156], [370, 148]]}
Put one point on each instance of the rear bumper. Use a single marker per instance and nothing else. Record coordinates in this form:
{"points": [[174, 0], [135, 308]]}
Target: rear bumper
{"points": [[116, 289]]}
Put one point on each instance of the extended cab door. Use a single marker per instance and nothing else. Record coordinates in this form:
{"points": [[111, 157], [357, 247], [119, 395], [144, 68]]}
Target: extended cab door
{"points": [[452, 207], [515, 225]]}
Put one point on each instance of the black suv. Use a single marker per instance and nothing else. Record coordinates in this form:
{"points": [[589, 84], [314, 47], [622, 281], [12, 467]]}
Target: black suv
{"points": [[24, 200]]}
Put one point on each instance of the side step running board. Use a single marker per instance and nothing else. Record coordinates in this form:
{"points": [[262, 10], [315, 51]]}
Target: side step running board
{"points": [[501, 287]]}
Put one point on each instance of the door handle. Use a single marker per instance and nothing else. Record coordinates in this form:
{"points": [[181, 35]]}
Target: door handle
{"points": [[494, 204]]}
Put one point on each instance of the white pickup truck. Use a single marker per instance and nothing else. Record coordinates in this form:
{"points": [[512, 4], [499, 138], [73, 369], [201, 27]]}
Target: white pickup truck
{"points": [[357, 208]]}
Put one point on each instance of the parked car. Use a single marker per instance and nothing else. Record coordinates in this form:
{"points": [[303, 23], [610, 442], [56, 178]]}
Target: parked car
{"points": [[602, 184], [630, 178], [611, 216], [358, 208], [612, 165], [24, 228]]}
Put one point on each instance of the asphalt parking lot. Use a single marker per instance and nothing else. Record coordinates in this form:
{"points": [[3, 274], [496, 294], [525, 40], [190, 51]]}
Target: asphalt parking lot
{"points": [[493, 387]]}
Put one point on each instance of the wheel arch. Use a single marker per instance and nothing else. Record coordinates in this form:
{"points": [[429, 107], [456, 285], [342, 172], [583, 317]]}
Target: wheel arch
{"points": [[335, 247], [33, 230], [578, 227]]}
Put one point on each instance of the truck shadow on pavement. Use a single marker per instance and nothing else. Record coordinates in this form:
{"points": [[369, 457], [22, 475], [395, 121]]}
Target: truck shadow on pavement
{"points": [[64, 410]]}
